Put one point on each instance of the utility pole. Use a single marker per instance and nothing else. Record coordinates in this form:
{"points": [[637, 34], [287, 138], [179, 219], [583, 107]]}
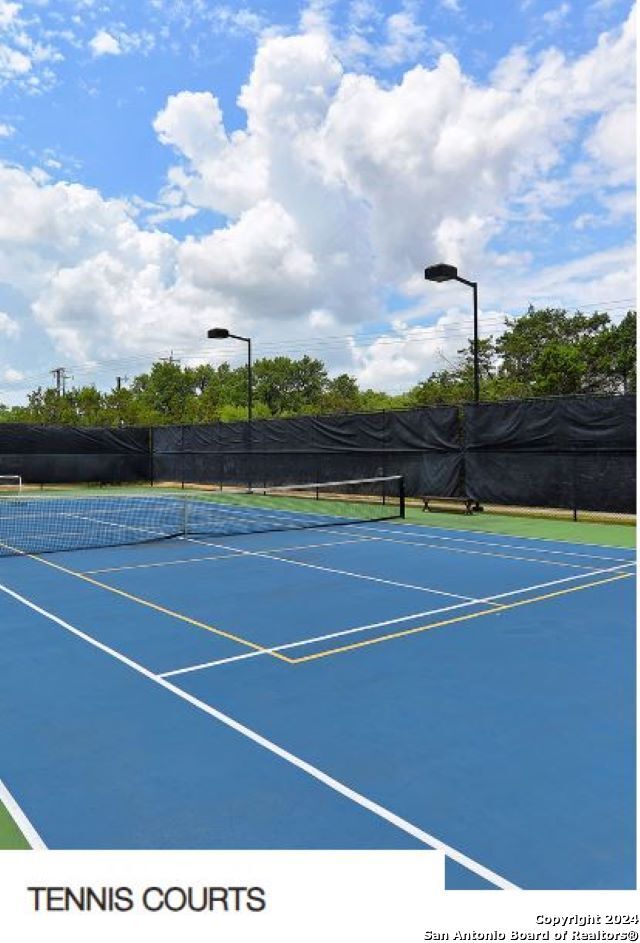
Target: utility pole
{"points": [[170, 359], [61, 376]]}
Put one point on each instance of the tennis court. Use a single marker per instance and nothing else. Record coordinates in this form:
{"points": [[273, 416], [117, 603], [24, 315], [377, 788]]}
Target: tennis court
{"points": [[273, 683]]}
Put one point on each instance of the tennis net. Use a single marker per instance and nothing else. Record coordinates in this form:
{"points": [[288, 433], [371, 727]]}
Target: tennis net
{"points": [[46, 523]]}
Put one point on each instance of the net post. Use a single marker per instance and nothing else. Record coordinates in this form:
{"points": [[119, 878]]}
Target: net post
{"points": [[401, 493]]}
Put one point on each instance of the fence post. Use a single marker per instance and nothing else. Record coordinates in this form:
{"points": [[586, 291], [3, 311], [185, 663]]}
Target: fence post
{"points": [[150, 471], [182, 457]]}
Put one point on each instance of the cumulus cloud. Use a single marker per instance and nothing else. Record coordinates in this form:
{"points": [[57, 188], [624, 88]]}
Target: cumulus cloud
{"points": [[370, 36], [104, 44], [407, 354], [11, 375], [585, 281], [8, 13], [13, 62], [192, 123], [613, 143], [117, 41], [430, 163], [24, 60], [556, 16], [334, 195], [8, 327]]}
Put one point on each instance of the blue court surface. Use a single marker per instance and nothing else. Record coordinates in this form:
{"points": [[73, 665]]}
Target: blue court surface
{"points": [[374, 685]]}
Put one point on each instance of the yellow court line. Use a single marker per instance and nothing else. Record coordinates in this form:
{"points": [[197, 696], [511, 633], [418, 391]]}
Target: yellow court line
{"points": [[464, 618], [162, 609]]}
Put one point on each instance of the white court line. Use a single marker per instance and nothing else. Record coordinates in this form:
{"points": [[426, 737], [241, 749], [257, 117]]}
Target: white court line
{"points": [[265, 554], [20, 818], [488, 600], [309, 641], [392, 539], [228, 556], [492, 533], [336, 785], [336, 543], [478, 553]]}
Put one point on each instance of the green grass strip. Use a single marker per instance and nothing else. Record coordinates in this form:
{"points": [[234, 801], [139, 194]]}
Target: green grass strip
{"points": [[577, 532], [11, 838]]}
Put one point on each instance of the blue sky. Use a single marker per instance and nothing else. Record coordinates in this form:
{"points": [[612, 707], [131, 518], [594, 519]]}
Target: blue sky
{"points": [[288, 169]]}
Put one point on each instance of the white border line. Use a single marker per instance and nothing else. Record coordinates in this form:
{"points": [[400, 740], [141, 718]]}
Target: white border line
{"points": [[493, 533], [422, 545], [313, 771], [21, 820], [404, 528]]}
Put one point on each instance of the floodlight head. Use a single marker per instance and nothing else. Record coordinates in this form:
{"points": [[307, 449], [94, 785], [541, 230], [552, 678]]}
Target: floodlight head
{"points": [[440, 272], [217, 333]]}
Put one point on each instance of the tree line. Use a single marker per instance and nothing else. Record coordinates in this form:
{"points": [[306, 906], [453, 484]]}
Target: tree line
{"points": [[545, 352]]}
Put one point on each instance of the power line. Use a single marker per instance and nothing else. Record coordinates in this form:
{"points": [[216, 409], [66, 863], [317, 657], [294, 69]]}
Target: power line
{"points": [[447, 329], [414, 334]]}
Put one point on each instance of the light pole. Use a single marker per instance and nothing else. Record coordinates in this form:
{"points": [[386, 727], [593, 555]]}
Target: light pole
{"points": [[221, 333], [447, 273]]}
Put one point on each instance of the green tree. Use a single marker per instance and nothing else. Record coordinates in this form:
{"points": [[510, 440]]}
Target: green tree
{"points": [[289, 386], [371, 400], [612, 356], [88, 404], [560, 370], [341, 394], [542, 339], [164, 392], [50, 408]]}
